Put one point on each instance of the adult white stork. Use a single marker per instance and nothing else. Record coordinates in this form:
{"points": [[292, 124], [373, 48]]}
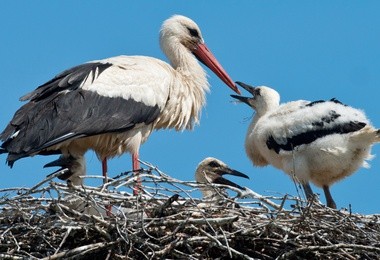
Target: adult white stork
{"points": [[321, 141], [111, 106], [211, 170]]}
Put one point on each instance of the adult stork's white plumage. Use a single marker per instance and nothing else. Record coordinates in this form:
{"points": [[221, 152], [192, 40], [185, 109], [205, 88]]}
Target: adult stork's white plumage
{"points": [[111, 106], [321, 141], [211, 170]]}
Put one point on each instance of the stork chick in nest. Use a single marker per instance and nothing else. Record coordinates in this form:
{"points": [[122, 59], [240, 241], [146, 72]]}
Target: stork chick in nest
{"points": [[210, 171], [73, 170], [321, 141]]}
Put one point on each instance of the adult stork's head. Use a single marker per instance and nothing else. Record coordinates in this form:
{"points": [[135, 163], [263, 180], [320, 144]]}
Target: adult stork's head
{"points": [[181, 36], [263, 98], [211, 170]]}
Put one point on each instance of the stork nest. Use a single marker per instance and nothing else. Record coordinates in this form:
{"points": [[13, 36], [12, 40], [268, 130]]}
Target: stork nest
{"points": [[168, 220]]}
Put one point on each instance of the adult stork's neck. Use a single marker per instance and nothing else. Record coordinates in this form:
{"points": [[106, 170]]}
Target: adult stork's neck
{"points": [[188, 88], [186, 64]]}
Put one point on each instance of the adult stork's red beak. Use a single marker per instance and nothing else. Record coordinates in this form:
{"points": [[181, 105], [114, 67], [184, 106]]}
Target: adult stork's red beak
{"points": [[204, 55]]}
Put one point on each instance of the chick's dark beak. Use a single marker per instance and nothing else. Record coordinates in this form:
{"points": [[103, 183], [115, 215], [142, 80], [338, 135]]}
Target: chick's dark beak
{"points": [[249, 88], [60, 162], [64, 163], [224, 181]]}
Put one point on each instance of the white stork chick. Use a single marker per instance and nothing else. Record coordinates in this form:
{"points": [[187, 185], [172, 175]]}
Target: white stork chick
{"points": [[74, 169], [210, 171], [321, 141], [112, 106]]}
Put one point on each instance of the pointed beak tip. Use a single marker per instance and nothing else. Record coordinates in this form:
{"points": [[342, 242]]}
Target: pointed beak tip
{"points": [[229, 82], [48, 165], [237, 90], [247, 87], [56, 163]]}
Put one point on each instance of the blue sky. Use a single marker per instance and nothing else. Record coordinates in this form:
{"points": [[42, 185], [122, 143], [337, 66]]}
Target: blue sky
{"points": [[304, 49]]}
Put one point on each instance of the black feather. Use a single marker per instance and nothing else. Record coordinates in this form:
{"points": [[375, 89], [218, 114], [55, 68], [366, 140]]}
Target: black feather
{"points": [[311, 136], [67, 80], [322, 101], [72, 115]]}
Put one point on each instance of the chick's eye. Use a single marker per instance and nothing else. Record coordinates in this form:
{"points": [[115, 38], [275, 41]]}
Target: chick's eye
{"points": [[193, 32], [214, 164], [257, 92]]}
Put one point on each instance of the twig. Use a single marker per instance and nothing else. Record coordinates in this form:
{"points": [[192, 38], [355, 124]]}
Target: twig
{"points": [[329, 248], [63, 240], [81, 251]]}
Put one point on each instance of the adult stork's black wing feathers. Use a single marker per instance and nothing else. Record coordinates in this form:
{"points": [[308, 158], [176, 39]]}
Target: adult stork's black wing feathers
{"points": [[67, 80], [60, 110]]}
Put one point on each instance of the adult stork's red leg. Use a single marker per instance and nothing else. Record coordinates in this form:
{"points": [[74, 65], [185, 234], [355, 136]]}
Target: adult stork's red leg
{"points": [[136, 168], [105, 180]]}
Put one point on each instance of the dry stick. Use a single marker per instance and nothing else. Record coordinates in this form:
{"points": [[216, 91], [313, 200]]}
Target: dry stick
{"points": [[262, 199], [89, 217], [81, 251], [16, 242], [14, 189], [63, 240], [328, 248], [226, 241], [201, 221], [167, 248], [243, 256], [48, 178], [12, 257], [185, 256]]}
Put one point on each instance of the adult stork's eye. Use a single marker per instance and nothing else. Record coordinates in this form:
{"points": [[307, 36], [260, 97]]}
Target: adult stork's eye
{"points": [[193, 32]]}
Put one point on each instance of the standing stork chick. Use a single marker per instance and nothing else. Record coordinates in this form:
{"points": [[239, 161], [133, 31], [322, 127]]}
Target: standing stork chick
{"points": [[112, 105], [321, 141], [211, 170]]}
